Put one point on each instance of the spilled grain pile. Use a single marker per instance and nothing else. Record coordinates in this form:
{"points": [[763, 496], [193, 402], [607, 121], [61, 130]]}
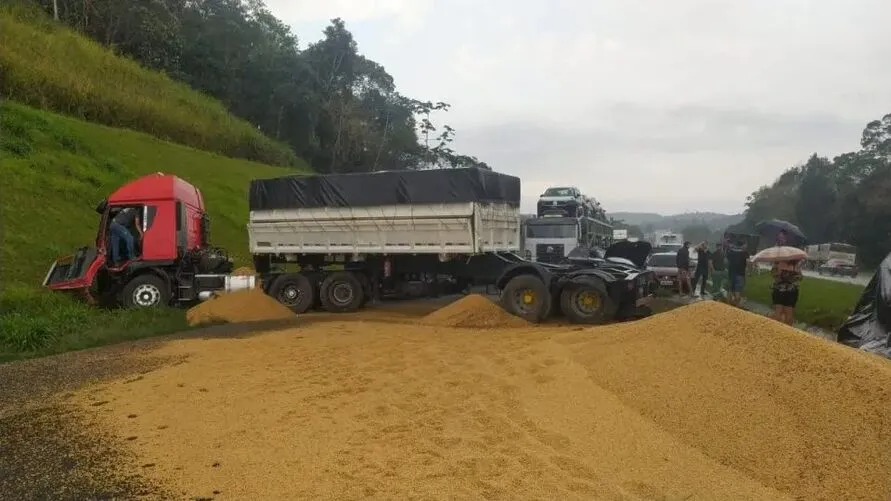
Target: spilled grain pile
{"points": [[241, 306], [244, 271], [706, 402], [475, 312]]}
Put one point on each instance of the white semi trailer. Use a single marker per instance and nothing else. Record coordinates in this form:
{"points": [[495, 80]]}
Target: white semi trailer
{"points": [[337, 241]]}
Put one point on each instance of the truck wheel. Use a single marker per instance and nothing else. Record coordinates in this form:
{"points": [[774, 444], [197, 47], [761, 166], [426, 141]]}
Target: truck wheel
{"points": [[587, 302], [145, 291], [527, 297], [342, 292], [366, 287], [295, 291]]}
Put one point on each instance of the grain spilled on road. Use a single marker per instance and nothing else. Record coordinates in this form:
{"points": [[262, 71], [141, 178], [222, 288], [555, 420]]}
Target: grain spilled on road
{"points": [[473, 311], [705, 402], [242, 306]]}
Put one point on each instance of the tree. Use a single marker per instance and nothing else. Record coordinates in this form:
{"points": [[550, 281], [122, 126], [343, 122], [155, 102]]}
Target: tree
{"points": [[816, 199], [847, 199], [335, 107]]}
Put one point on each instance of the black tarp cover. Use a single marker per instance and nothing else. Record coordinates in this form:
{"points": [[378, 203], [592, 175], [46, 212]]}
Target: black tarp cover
{"points": [[869, 325], [385, 188]]}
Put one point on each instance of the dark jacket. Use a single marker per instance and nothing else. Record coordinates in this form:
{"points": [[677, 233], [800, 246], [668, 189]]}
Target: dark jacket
{"points": [[683, 259]]}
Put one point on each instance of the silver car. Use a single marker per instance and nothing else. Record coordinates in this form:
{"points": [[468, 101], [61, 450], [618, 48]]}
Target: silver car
{"points": [[664, 266]]}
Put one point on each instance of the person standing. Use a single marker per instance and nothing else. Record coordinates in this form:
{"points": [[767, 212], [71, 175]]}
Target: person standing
{"points": [[119, 229], [718, 269], [703, 263], [781, 238], [737, 265], [784, 293], [683, 264]]}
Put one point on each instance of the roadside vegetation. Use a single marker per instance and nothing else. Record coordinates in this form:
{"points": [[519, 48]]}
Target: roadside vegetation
{"points": [[47, 65], [36, 323], [55, 170], [822, 303]]}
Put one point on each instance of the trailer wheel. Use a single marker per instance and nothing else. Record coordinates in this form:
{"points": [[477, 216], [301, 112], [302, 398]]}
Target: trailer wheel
{"points": [[366, 287], [527, 297], [145, 291], [295, 291], [342, 292], [587, 302]]}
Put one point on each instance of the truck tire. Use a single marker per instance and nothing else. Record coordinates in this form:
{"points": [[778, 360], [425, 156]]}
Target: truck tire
{"points": [[366, 287], [527, 297], [145, 291], [586, 301], [342, 292], [295, 291]]}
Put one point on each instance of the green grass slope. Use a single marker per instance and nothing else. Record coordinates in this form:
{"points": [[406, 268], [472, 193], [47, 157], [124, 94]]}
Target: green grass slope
{"points": [[823, 303], [55, 170], [46, 65]]}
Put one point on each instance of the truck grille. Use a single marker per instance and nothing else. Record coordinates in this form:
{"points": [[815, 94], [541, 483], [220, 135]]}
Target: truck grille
{"points": [[549, 253]]}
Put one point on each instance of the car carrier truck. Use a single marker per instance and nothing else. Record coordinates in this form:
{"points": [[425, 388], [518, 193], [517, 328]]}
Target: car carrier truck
{"points": [[338, 241]]}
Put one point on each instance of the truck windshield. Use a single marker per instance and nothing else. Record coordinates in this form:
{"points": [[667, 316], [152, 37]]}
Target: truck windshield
{"points": [[558, 192], [550, 231]]}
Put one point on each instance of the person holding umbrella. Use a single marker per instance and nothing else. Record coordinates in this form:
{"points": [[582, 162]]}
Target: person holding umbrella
{"points": [[784, 293], [787, 275], [782, 238]]}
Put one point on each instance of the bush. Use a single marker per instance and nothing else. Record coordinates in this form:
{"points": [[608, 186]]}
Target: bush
{"points": [[40, 323], [46, 65]]}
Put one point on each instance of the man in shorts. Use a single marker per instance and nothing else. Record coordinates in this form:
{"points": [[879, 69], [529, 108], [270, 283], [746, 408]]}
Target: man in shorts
{"points": [[737, 264]]}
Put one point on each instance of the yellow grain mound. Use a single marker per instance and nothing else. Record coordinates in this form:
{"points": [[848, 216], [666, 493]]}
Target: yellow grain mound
{"points": [[703, 403], [242, 306], [473, 311], [244, 271]]}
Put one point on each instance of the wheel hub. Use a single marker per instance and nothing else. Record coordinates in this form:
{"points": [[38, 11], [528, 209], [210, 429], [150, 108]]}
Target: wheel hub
{"points": [[342, 293], [146, 295], [587, 301], [289, 296], [525, 299]]}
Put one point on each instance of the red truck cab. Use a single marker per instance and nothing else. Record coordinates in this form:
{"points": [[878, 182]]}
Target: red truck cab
{"points": [[174, 227]]}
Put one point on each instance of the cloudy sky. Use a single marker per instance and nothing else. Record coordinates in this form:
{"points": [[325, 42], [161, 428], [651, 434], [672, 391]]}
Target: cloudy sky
{"points": [[647, 105]]}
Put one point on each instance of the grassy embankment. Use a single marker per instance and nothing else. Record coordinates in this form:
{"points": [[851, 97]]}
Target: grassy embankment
{"points": [[58, 169], [46, 65], [823, 303], [55, 169]]}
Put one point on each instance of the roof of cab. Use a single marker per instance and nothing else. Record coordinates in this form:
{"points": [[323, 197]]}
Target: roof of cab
{"points": [[156, 187]]}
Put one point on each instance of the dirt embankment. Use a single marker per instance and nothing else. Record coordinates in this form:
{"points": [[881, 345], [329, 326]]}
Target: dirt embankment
{"points": [[702, 403]]}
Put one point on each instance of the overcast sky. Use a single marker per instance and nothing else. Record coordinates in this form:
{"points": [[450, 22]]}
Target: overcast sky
{"points": [[647, 105]]}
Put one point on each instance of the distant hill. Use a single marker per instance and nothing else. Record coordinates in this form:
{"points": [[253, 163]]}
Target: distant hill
{"points": [[715, 221]]}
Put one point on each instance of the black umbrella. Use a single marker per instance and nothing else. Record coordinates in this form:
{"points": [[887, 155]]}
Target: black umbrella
{"points": [[771, 227]]}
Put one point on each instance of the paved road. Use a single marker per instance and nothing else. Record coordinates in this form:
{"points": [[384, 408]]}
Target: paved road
{"points": [[861, 279]]}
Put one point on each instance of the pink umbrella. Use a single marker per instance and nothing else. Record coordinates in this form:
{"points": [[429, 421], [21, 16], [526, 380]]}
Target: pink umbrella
{"points": [[780, 253]]}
